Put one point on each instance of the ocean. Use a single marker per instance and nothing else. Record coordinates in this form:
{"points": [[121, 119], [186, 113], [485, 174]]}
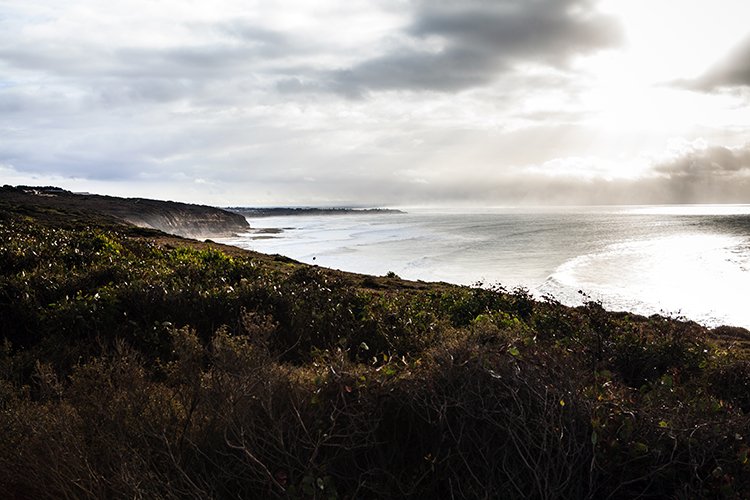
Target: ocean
{"points": [[680, 261]]}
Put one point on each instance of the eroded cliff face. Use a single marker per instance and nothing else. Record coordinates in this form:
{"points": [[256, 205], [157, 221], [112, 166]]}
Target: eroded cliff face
{"points": [[181, 219]]}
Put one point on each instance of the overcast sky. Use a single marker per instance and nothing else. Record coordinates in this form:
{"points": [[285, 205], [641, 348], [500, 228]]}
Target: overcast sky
{"points": [[387, 102]]}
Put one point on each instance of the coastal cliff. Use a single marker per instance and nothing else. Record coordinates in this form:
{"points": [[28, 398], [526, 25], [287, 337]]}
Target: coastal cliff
{"points": [[181, 219]]}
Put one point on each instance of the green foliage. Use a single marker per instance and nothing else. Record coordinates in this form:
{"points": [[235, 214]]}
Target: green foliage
{"points": [[134, 367]]}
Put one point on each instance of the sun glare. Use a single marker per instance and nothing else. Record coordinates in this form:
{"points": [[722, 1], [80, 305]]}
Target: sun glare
{"points": [[668, 40], [633, 93]]}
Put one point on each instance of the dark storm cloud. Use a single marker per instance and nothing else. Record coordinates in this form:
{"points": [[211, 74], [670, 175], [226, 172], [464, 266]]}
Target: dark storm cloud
{"points": [[550, 30], [475, 41], [732, 71]]}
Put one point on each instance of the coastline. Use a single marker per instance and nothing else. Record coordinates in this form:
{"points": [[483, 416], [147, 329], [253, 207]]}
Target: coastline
{"points": [[121, 343], [644, 272]]}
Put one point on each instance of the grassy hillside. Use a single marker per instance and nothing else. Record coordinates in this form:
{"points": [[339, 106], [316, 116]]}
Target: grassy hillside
{"points": [[139, 365], [183, 219]]}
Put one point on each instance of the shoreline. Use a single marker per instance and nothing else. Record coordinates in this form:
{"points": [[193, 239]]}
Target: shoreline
{"points": [[345, 244]]}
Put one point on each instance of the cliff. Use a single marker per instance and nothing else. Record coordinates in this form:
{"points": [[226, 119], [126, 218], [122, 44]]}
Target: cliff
{"points": [[181, 219]]}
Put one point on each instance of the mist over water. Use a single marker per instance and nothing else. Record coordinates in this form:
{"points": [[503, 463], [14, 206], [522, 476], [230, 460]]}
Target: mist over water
{"points": [[691, 261]]}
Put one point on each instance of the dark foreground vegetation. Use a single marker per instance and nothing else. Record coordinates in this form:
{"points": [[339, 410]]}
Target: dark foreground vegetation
{"points": [[138, 365]]}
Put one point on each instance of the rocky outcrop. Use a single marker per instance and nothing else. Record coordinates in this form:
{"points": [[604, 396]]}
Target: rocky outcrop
{"points": [[182, 219]]}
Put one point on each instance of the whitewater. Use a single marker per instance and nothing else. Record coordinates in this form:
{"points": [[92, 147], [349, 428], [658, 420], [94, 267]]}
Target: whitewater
{"points": [[680, 261]]}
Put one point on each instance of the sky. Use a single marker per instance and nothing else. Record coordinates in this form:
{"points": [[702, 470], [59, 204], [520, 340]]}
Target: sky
{"points": [[379, 103]]}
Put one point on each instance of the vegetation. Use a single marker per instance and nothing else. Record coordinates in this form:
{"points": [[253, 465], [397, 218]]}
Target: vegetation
{"points": [[137, 365]]}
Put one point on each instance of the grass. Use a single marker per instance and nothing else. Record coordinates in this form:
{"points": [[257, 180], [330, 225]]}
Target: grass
{"points": [[135, 364]]}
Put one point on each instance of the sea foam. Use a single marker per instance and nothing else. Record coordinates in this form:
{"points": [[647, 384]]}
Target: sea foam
{"points": [[681, 261]]}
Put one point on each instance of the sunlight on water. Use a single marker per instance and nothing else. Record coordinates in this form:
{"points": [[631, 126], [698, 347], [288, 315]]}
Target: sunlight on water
{"points": [[692, 261], [691, 210], [693, 275]]}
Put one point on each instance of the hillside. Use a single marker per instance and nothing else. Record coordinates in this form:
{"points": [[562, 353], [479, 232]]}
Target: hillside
{"points": [[137, 364], [182, 219]]}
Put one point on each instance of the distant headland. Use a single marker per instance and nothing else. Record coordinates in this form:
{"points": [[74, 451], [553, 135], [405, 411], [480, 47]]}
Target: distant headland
{"points": [[284, 211]]}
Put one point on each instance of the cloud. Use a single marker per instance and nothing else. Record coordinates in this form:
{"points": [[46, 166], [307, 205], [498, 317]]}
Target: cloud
{"points": [[266, 42], [201, 61], [476, 101], [451, 46], [732, 71], [696, 173], [705, 174], [85, 54], [700, 161]]}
